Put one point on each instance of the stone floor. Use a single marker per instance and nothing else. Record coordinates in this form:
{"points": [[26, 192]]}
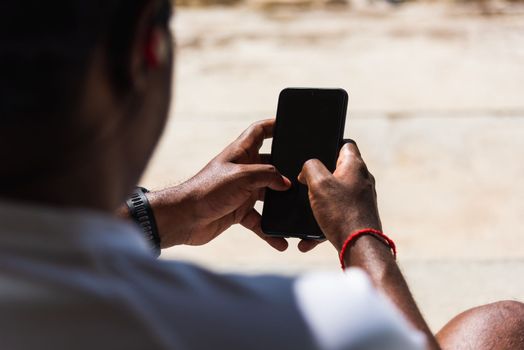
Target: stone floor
{"points": [[436, 105]]}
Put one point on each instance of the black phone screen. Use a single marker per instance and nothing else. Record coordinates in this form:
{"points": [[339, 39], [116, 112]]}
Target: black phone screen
{"points": [[309, 124]]}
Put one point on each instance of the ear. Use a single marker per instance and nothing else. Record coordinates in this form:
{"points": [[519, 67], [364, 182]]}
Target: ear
{"points": [[156, 51], [150, 46]]}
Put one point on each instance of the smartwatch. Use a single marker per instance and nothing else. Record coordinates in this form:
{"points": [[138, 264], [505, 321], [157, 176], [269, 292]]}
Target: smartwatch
{"points": [[142, 214]]}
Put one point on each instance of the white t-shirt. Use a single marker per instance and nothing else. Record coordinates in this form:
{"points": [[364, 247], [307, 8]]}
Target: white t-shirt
{"points": [[82, 280]]}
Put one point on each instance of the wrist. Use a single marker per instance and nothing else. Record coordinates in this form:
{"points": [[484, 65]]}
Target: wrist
{"points": [[338, 236], [365, 249], [171, 208]]}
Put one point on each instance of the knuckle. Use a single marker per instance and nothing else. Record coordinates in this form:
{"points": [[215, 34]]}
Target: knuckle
{"points": [[372, 178], [252, 129], [266, 169], [258, 173], [347, 148], [247, 134], [311, 163], [271, 169], [256, 124], [239, 169], [350, 149], [255, 128]]}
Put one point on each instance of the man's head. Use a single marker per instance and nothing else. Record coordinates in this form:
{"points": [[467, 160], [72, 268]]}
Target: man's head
{"points": [[85, 91]]}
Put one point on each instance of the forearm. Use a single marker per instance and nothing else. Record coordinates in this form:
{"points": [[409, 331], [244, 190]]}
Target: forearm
{"points": [[376, 259]]}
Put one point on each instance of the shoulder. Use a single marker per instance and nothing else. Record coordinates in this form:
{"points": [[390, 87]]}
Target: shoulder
{"points": [[345, 311]]}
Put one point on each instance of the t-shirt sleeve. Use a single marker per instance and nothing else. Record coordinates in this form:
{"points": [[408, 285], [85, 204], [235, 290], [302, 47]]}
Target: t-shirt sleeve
{"points": [[197, 309], [344, 311]]}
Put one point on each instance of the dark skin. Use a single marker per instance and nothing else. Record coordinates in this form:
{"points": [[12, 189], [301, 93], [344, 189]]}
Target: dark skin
{"points": [[119, 133]]}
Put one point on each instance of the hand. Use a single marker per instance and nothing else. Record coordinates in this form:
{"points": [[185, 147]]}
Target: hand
{"points": [[222, 194], [344, 201]]}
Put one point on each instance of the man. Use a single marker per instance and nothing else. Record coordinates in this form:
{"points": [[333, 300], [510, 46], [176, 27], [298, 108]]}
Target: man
{"points": [[85, 92]]}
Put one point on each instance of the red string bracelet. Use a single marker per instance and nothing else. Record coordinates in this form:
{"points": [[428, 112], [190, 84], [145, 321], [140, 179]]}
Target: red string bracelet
{"points": [[367, 231]]}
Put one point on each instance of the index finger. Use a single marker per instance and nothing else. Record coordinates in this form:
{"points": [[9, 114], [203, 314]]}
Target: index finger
{"points": [[245, 148], [257, 133], [348, 153], [352, 145], [262, 175]]}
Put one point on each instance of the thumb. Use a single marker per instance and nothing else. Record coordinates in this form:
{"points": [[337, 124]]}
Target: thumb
{"points": [[313, 172], [265, 175]]}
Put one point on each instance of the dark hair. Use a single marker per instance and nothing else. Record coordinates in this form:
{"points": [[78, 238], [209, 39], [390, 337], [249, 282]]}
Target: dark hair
{"points": [[45, 47]]}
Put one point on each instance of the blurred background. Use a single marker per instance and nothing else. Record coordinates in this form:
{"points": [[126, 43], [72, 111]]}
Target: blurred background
{"points": [[436, 106]]}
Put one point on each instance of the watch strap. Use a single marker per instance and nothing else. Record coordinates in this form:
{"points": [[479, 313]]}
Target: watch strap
{"points": [[142, 214]]}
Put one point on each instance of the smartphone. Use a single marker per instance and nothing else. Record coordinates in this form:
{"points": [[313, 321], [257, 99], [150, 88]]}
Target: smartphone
{"points": [[309, 124]]}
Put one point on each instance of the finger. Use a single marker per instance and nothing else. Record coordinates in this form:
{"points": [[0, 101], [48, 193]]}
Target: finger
{"points": [[351, 142], [245, 148], [349, 153], [350, 148], [253, 137], [306, 245], [312, 172], [252, 221], [262, 175]]}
